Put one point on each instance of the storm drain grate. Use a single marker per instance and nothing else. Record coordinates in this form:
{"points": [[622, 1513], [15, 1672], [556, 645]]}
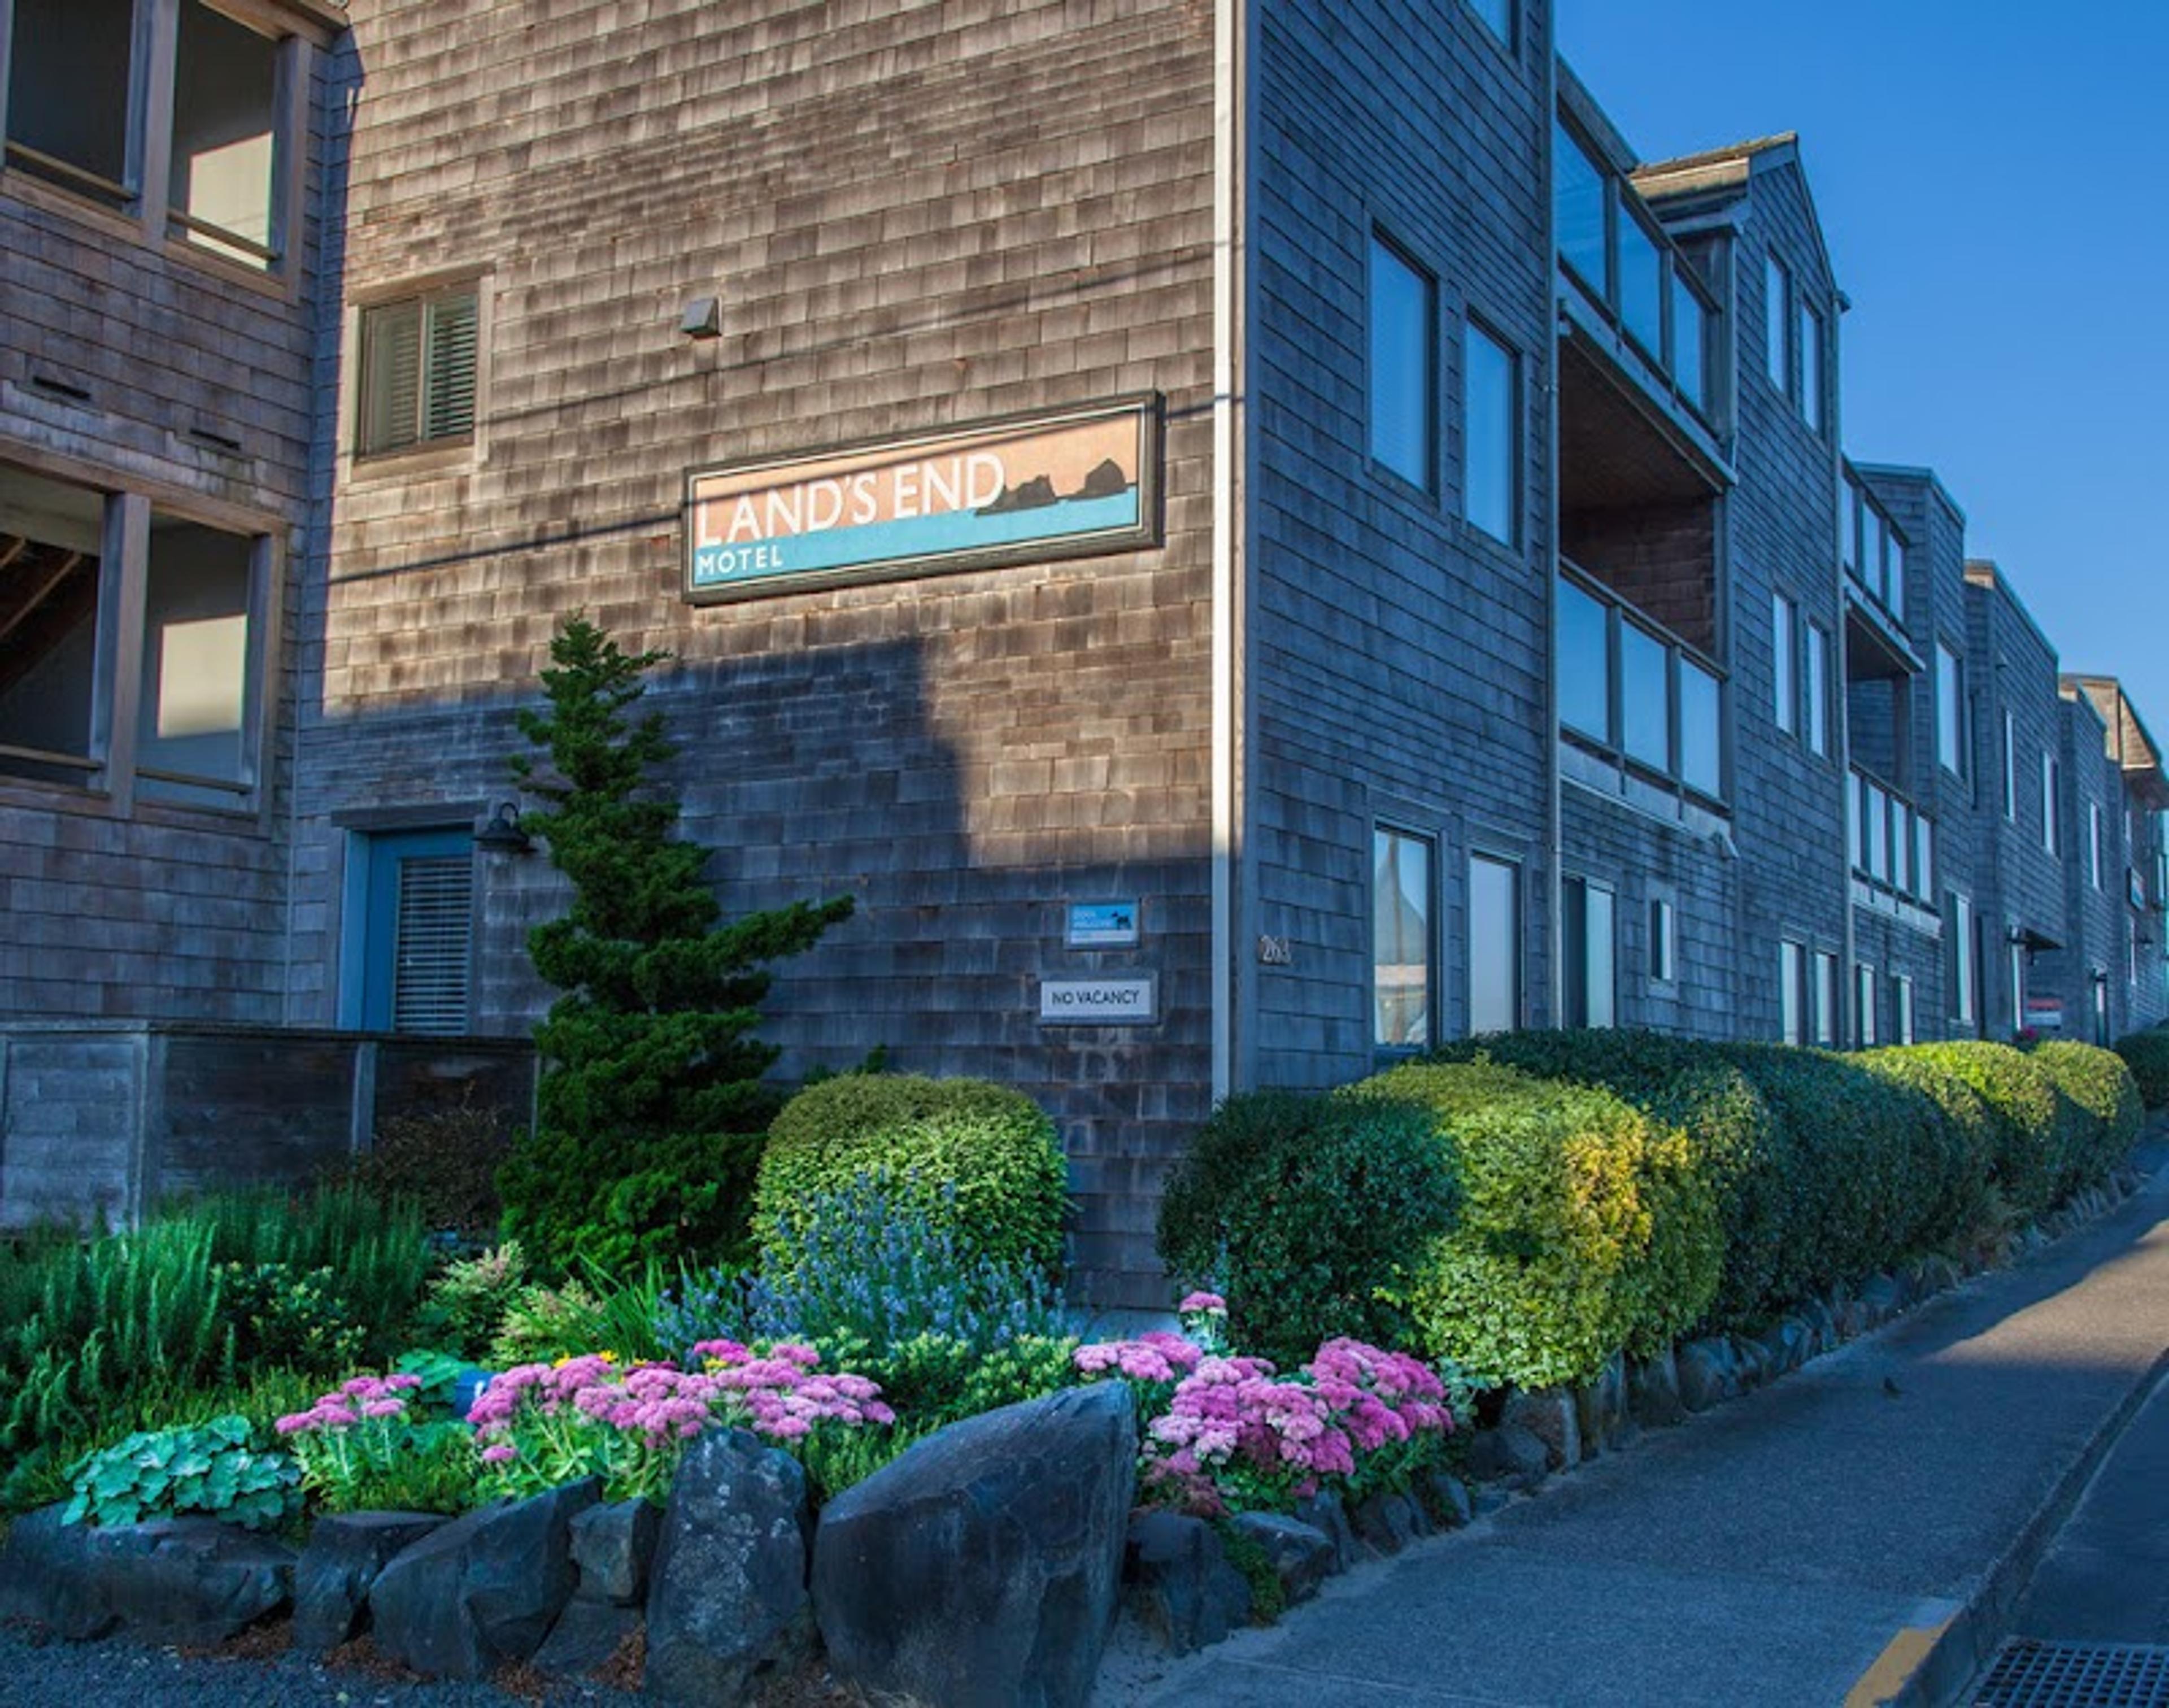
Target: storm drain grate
{"points": [[2076, 1675]]}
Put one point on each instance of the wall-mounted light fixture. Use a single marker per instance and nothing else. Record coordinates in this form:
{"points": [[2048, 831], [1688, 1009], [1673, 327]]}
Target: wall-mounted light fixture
{"points": [[703, 318], [503, 835]]}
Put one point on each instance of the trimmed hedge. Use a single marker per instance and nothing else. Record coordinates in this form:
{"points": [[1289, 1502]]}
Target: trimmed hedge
{"points": [[1557, 1261], [1960, 1211], [1302, 1211], [2027, 1118], [973, 1155], [2106, 1094], [2147, 1054]]}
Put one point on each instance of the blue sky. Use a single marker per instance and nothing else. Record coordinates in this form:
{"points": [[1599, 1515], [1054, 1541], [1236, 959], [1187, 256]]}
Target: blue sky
{"points": [[1995, 196]]}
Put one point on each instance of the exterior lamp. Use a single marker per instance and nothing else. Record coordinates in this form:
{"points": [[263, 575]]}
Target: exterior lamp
{"points": [[503, 835]]}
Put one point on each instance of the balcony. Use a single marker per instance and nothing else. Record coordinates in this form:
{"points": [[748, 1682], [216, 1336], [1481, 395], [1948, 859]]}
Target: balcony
{"points": [[1893, 848], [1641, 709]]}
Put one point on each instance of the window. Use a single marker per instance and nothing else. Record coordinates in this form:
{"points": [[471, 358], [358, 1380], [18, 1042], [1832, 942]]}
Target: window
{"points": [[1642, 285], [1664, 964], [1811, 365], [1644, 701], [1778, 323], [197, 593], [225, 169], [1498, 16], [2010, 767], [1701, 750], [418, 370], [1585, 668], [1792, 992], [2094, 844], [1491, 440], [1690, 341], [2051, 826], [1580, 197], [1494, 944], [1403, 364], [2014, 960], [1864, 1005], [1401, 941], [1950, 711], [79, 81], [1825, 998], [1957, 925], [1817, 689], [1784, 641], [1901, 1009], [1588, 955]]}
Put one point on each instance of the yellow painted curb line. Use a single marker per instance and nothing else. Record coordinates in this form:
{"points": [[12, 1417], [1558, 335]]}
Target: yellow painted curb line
{"points": [[1894, 1666]]}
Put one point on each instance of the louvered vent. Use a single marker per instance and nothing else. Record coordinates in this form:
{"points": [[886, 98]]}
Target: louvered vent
{"points": [[429, 969]]}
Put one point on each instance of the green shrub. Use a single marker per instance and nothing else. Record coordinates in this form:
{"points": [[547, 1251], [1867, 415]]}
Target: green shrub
{"points": [[2105, 1092], [213, 1470], [444, 1159], [1302, 1212], [1737, 1150], [2024, 1113], [282, 1317], [1549, 1270], [466, 1304], [1963, 1211], [544, 1324], [2147, 1054], [978, 1156]]}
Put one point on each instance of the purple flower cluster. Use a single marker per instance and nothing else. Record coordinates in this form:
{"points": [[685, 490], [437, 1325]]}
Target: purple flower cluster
{"points": [[783, 1395], [351, 1401], [656, 1401], [1216, 1418]]}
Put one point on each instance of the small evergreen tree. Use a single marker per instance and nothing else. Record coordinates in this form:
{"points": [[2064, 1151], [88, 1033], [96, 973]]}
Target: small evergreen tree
{"points": [[651, 1104]]}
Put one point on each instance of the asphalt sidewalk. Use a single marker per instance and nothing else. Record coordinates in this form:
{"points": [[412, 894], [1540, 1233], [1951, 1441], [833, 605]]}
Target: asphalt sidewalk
{"points": [[1857, 1532]]}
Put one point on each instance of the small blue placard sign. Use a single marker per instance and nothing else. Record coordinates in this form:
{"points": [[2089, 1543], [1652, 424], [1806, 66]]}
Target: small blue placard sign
{"points": [[1103, 925]]}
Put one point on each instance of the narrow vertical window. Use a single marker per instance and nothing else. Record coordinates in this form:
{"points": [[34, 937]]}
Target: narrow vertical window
{"points": [[2094, 843], [2010, 767], [1401, 940], [1584, 663], [1491, 439], [1825, 998], [192, 741], [1403, 364], [1864, 1005], [1817, 690], [1494, 944], [2051, 827], [1957, 920], [1792, 985], [2015, 958], [1644, 698], [1664, 966], [1950, 713], [1811, 365], [1589, 954], [1784, 623], [1901, 1009], [1579, 202], [1777, 324]]}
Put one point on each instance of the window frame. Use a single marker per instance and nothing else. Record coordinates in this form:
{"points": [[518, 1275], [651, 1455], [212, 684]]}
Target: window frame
{"points": [[1400, 831], [1663, 941], [2010, 767], [1827, 995], [1792, 1001], [1383, 244], [1816, 690], [2052, 816], [1866, 992], [1474, 328], [1516, 937], [425, 297], [1958, 760], [1963, 994], [1778, 333], [1812, 336], [1786, 673], [1577, 953]]}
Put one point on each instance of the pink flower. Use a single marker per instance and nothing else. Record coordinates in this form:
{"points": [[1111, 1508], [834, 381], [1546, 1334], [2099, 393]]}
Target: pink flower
{"points": [[501, 1454], [1202, 1305], [384, 1409]]}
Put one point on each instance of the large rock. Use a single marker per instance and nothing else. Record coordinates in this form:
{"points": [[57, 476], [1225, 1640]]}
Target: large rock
{"points": [[726, 1604], [1387, 1522], [982, 1567], [47, 1576], [345, 1556], [1599, 1408], [613, 1546], [1510, 1454], [1653, 1391], [1177, 1580], [1301, 1555], [1550, 1415], [1324, 1513], [586, 1637], [482, 1589], [1709, 1373]]}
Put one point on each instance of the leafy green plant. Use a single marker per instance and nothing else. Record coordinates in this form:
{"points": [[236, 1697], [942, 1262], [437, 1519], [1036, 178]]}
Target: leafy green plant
{"points": [[548, 1323], [2098, 1084], [983, 1156], [1549, 1271], [1306, 1213], [2147, 1054], [366, 1447], [288, 1318], [651, 1105], [444, 1160], [465, 1306], [2024, 1115], [212, 1470], [1958, 1208]]}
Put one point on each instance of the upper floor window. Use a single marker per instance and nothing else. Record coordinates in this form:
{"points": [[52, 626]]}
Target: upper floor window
{"points": [[1785, 654], [1950, 711], [80, 115], [2051, 826], [1641, 694], [1778, 323], [1817, 687], [1491, 439], [418, 371], [1811, 365], [1404, 352], [2094, 869], [1578, 209], [2010, 767]]}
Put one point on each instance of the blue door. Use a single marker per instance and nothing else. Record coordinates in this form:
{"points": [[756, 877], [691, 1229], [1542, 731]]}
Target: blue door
{"points": [[411, 933]]}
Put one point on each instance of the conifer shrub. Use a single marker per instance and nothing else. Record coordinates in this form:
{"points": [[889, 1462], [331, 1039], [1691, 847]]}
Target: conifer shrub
{"points": [[2024, 1115], [1309, 1214], [2098, 1085], [650, 1106], [963, 1152], [1552, 1264], [2147, 1054]]}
